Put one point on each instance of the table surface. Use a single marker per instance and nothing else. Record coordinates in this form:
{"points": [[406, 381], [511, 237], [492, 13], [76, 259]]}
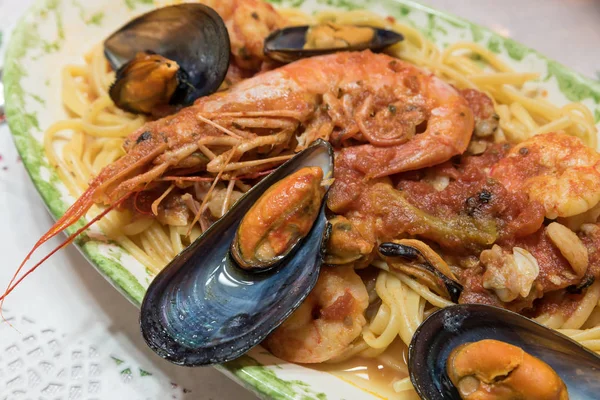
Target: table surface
{"points": [[75, 337]]}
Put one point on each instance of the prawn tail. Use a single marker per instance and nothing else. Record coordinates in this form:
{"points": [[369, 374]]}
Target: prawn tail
{"points": [[71, 216]]}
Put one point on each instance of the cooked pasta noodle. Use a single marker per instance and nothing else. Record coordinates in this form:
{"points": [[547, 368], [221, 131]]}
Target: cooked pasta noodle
{"points": [[521, 116], [92, 137]]}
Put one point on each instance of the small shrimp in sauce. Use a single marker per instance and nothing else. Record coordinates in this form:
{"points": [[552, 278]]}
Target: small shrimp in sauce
{"points": [[554, 169], [248, 23], [327, 322]]}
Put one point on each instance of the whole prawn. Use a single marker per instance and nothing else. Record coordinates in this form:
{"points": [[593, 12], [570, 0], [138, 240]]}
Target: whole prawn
{"points": [[407, 118]]}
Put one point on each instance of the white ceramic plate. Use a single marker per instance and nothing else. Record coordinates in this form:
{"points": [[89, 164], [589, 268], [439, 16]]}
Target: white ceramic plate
{"points": [[57, 32]]}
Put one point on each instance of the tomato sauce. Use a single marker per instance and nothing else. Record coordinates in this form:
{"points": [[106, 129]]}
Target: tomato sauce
{"points": [[468, 213]]}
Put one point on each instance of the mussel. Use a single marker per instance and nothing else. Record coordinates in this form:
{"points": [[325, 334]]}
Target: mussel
{"points": [[495, 369], [419, 261], [346, 244], [277, 222], [171, 55], [203, 308], [293, 43], [447, 329]]}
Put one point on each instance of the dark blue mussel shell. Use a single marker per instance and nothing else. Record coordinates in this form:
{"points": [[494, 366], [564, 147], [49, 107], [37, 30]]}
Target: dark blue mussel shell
{"points": [[286, 45], [203, 309], [193, 35], [444, 330]]}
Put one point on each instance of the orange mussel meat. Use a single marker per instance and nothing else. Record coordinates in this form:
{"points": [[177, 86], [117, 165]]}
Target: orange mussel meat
{"points": [[282, 216]]}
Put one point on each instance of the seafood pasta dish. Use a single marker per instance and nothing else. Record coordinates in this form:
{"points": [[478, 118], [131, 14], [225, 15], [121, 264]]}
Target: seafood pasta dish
{"points": [[452, 182]]}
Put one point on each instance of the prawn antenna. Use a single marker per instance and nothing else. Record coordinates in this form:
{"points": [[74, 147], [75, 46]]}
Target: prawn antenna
{"points": [[13, 284]]}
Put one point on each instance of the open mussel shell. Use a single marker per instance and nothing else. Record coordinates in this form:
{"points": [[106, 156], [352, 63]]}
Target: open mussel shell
{"points": [[444, 330], [193, 35], [204, 309], [287, 44], [279, 220], [422, 263]]}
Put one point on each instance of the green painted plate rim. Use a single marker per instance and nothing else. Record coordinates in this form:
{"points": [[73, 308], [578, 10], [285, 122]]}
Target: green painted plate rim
{"points": [[573, 85]]}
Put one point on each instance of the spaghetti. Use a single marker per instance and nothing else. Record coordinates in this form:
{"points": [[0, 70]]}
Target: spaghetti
{"points": [[93, 137]]}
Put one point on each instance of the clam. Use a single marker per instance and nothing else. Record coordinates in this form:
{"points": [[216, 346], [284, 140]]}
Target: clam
{"points": [[447, 329], [293, 43], [418, 260], [171, 55], [203, 308]]}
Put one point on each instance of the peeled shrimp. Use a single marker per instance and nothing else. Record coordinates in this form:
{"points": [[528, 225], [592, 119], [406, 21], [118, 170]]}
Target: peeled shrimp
{"points": [[248, 23], [327, 322], [557, 170]]}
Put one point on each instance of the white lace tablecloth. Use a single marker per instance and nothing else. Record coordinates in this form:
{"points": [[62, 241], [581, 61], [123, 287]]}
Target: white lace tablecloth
{"points": [[75, 337]]}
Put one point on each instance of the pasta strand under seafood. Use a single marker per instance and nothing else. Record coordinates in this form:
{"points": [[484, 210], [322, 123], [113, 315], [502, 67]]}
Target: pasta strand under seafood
{"points": [[93, 137]]}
